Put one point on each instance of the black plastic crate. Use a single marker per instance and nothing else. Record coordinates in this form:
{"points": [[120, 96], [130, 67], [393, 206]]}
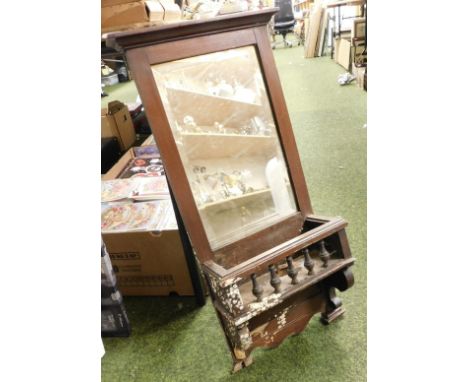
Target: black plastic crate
{"points": [[107, 272], [114, 319], [108, 289]]}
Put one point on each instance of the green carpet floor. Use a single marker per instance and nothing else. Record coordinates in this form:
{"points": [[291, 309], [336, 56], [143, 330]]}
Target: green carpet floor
{"points": [[174, 340]]}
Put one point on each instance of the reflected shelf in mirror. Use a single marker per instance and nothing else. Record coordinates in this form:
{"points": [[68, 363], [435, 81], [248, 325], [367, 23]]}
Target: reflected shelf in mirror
{"points": [[220, 109], [216, 145]]}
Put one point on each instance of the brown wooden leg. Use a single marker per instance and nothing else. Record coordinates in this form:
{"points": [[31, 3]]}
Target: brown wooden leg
{"points": [[237, 366], [333, 309], [240, 358], [240, 364], [341, 280], [239, 344], [229, 332], [248, 361]]}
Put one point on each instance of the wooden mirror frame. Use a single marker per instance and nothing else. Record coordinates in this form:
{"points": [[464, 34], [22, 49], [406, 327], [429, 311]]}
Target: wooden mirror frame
{"points": [[150, 46], [285, 311]]}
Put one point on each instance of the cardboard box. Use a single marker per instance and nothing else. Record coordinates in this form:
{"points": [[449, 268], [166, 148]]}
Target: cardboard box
{"points": [[117, 122], [172, 12], [359, 73], [155, 11], [123, 15], [343, 52], [358, 28], [336, 48], [109, 3], [149, 141], [121, 164], [149, 263], [358, 53], [114, 172]]}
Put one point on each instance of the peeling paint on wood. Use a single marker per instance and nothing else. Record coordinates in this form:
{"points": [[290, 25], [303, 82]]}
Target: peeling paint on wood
{"points": [[245, 338], [229, 297], [234, 298], [240, 354], [281, 318], [226, 283], [259, 329], [257, 307]]}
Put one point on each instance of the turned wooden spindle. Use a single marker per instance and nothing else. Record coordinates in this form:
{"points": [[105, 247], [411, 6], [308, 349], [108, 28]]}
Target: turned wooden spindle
{"points": [[324, 254], [308, 262], [257, 290], [292, 272], [275, 281]]}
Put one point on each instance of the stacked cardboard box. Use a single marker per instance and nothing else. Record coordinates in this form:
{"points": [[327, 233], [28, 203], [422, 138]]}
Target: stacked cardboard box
{"points": [[347, 53], [342, 52], [350, 48], [359, 73], [147, 262], [117, 14], [125, 14], [359, 65], [117, 122]]}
